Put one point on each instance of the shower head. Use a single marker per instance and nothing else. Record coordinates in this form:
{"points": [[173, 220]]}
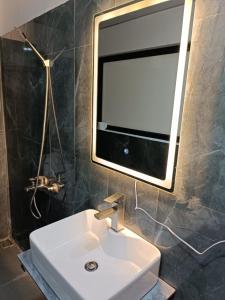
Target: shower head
{"points": [[23, 35], [46, 62]]}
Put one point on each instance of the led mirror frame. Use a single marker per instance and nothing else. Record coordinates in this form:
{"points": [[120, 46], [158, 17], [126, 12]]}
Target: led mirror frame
{"points": [[168, 181]]}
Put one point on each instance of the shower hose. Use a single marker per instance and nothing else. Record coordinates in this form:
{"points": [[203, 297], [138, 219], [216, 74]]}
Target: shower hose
{"points": [[49, 101]]}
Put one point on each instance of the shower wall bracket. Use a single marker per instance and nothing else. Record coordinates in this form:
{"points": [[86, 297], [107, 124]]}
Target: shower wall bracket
{"points": [[48, 63]]}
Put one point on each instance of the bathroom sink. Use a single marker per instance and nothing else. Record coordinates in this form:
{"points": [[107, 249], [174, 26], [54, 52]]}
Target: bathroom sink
{"points": [[82, 258]]}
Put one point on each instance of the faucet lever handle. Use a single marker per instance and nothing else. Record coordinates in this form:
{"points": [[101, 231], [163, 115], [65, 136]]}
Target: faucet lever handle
{"points": [[115, 198]]}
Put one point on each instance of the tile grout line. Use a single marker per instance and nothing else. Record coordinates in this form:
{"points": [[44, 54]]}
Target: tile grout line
{"points": [[74, 97]]}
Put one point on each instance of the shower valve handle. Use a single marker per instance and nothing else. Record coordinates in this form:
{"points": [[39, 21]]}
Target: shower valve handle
{"points": [[42, 180]]}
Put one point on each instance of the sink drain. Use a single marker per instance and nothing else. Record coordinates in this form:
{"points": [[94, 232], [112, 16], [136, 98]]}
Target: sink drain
{"points": [[91, 266]]}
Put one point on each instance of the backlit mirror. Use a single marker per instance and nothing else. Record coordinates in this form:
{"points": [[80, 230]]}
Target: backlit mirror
{"points": [[140, 62]]}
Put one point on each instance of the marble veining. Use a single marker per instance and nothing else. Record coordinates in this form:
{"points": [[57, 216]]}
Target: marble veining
{"points": [[23, 89], [195, 209]]}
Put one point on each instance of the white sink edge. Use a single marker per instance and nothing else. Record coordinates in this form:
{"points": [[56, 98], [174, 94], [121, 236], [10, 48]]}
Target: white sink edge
{"points": [[140, 283]]}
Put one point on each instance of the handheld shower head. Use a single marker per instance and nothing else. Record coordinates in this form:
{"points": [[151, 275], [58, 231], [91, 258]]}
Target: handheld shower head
{"points": [[23, 35]]}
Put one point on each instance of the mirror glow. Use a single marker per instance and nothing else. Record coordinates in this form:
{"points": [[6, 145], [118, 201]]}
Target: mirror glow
{"points": [[117, 93]]}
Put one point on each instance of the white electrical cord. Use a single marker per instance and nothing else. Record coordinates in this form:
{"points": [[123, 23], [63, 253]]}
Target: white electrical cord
{"points": [[170, 230]]}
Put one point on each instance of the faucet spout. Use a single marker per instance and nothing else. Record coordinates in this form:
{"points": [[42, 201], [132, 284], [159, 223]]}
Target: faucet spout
{"points": [[105, 213], [115, 212]]}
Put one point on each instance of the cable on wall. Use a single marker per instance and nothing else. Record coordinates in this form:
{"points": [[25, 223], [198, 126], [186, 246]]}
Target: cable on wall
{"points": [[170, 230]]}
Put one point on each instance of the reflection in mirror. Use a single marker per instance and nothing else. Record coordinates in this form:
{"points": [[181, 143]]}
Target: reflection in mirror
{"points": [[140, 54]]}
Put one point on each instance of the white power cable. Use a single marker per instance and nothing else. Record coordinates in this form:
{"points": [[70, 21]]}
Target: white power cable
{"points": [[170, 230]]}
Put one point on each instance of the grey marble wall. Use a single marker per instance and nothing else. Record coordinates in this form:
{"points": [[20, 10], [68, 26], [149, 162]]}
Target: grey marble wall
{"points": [[196, 208], [4, 183], [23, 88]]}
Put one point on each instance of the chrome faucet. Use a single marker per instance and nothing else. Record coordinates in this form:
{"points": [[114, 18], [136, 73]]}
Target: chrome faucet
{"points": [[115, 211]]}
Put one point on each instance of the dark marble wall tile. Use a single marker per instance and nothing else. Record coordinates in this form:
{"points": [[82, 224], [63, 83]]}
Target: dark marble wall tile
{"points": [[200, 161], [195, 210], [53, 31], [83, 88], [22, 161], [84, 13], [23, 78], [63, 87], [23, 95], [82, 188], [87, 183], [24, 92]]}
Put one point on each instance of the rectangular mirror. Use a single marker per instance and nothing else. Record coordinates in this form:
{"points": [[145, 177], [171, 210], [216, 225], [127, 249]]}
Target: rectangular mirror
{"points": [[140, 61]]}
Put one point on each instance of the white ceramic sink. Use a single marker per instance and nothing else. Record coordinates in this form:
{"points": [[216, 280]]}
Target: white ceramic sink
{"points": [[128, 265]]}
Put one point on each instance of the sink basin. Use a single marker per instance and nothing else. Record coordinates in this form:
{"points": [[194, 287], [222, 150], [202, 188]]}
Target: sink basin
{"points": [[127, 265]]}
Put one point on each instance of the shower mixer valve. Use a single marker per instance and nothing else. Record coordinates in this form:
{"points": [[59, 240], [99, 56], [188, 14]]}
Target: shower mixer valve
{"points": [[44, 183]]}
